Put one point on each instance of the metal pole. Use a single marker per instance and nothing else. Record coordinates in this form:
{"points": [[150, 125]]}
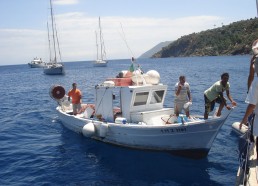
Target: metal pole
{"points": [[257, 7]]}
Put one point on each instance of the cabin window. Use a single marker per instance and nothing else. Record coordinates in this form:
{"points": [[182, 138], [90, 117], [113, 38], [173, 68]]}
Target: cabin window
{"points": [[157, 96], [141, 98]]}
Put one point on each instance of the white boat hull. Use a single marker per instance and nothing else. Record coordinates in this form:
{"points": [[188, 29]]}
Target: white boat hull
{"points": [[36, 65], [190, 139], [100, 64], [54, 69]]}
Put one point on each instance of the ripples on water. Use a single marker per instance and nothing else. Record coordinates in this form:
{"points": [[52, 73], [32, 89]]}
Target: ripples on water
{"points": [[36, 149]]}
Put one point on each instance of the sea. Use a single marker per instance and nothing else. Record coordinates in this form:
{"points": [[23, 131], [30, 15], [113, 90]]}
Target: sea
{"points": [[36, 149]]}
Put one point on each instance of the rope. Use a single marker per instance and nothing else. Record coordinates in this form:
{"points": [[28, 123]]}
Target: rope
{"points": [[99, 104], [123, 37]]}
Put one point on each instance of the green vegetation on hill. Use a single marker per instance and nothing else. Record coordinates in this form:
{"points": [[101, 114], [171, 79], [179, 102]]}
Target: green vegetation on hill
{"points": [[233, 39]]}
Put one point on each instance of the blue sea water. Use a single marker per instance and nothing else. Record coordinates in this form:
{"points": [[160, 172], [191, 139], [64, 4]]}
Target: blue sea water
{"points": [[35, 149]]}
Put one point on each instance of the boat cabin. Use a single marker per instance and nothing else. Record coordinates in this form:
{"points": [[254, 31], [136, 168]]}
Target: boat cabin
{"points": [[133, 103]]}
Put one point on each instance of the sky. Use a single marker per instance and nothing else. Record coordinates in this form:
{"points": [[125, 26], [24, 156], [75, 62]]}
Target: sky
{"points": [[130, 27]]}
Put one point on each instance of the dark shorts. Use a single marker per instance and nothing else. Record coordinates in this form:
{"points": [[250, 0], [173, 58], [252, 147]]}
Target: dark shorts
{"points": [[209, 105]]}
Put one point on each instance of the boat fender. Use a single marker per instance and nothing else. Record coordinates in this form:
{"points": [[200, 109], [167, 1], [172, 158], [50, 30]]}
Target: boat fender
{"points": [[235, 127], [103, 130], [57, 92], [108, 84], [88, 130]]}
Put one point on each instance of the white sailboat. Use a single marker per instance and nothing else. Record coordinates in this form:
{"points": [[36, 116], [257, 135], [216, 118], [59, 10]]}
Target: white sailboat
{"points": [[53, 67], [101, 55]]}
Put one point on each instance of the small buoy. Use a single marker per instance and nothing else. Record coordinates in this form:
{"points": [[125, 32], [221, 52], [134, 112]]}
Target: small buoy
{"points": [[235, 127], [88, 130], [153, 77]]}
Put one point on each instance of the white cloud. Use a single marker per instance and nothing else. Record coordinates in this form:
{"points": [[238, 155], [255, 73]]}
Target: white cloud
{"points": [[77, 36], [65, 2]]}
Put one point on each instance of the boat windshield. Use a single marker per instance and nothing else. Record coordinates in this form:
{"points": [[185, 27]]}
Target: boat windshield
{"points": [[157, 96], [141, 98]]}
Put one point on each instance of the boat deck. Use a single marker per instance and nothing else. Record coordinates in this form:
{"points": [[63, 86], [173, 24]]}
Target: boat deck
{"points": [[252, 177]]}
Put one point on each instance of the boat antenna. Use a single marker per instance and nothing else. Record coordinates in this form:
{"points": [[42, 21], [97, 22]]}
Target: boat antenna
{"points": [[123, 37]]}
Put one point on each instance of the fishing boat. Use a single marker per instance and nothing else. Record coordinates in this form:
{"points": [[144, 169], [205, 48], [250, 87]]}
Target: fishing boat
{"points": [[53, 67], [101, 53], [36, 63], [129, 111]]}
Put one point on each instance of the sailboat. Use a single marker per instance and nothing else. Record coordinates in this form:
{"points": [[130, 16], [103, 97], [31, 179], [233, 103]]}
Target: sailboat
{"points": [[53, 67], [101, 55]]}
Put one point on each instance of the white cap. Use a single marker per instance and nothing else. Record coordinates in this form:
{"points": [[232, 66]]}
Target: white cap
{"points": [[255, 46]]}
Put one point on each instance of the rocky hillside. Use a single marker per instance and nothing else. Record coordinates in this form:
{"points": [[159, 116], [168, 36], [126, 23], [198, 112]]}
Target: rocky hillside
{"points": [[155, 49], [233, 39]]}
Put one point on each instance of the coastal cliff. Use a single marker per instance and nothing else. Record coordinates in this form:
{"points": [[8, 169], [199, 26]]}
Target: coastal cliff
{"points": [[233, 39]]}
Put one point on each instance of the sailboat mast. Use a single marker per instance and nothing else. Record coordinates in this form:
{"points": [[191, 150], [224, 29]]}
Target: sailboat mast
{"points": [[53, 32], [100, 40], [49, 47], [97, 46]]}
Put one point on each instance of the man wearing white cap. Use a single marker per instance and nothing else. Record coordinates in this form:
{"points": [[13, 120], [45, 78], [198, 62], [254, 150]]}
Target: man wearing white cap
{"points": [[251, 70]]}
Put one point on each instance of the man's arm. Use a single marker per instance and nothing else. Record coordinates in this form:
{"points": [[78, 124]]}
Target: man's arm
{"points": [[251, 72], [178, 89], [189, 95], [249, 110], [230, 98]]}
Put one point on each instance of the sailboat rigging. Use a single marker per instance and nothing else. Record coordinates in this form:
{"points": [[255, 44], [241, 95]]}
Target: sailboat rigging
{"points": [[53, 67], [101, 55]]}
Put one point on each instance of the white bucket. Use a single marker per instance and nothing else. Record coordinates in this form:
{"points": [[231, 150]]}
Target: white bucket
{"points": [[88, 112], [187, 105]]}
